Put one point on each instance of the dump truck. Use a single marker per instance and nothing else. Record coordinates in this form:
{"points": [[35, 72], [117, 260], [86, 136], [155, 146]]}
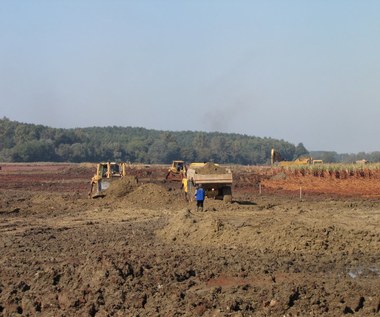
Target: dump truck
{"points": [[215, 180], [105, 172]]}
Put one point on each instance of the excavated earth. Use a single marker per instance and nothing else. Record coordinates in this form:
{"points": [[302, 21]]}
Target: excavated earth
{"points": [[287, 245]]}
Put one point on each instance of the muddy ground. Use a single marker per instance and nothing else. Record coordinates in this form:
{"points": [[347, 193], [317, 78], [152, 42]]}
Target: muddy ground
{"points": [[142, 250]]}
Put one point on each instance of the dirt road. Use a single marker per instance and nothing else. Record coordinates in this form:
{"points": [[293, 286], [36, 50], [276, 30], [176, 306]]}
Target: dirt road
{"points": [[149, 253]]}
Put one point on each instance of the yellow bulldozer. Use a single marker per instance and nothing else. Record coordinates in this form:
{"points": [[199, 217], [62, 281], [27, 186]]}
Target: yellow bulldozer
{"points": [[177, 171], [105, 172], [302, 160]]}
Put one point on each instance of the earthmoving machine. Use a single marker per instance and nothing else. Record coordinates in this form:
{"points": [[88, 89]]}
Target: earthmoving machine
{"points": [[302, 160], [274, 156], [105, 172], [305, 160], [177, 171], [215, 180]]}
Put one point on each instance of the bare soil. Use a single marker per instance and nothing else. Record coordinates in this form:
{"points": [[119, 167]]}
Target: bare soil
{"points": [[142, 250]]}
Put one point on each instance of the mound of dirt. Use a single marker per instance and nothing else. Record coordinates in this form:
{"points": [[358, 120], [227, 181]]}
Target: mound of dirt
{"points": [[154, 196], [149, 253], [187, 227], [211, 168], [121, 187]]}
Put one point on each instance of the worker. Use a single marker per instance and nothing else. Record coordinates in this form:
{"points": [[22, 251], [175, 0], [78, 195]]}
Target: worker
{"points": [[185, 188], [200, 197]]}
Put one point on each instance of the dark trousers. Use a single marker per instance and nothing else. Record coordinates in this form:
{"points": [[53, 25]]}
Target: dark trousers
{"points": [[200, 204]]}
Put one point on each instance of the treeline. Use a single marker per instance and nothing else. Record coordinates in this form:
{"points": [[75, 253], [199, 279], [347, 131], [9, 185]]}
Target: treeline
{"points": [[21, 142], [334, 157]]}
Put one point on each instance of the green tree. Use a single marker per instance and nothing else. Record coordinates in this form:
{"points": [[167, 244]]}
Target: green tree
{"points": [[34, 151], [300, 150]]}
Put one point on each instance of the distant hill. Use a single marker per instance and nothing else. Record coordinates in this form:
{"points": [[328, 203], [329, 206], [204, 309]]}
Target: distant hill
{"points": [[21, 142]]}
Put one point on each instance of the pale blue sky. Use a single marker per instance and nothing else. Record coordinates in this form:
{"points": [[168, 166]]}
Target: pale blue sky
{"points": [[302, 71]]}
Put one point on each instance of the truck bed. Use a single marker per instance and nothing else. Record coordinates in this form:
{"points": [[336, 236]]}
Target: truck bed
{"points": [[212, 178]]}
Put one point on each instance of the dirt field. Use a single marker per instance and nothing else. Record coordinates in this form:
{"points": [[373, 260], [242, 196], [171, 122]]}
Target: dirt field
{"points": [[142, 250]]}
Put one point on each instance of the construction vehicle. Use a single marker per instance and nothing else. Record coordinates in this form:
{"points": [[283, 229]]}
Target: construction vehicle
{"points": [[105, 172], [306, 160], [177, 171], [215, 180], [302, 160], [275, 156]]}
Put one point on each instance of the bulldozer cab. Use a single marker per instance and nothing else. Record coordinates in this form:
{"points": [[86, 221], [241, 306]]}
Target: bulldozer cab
{"points": [[177, 171], [178, 166], [105, 171], [102, 170], [110, 169]]}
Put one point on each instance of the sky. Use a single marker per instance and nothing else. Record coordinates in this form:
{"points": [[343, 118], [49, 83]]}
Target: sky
{"points": [[296, 70]]}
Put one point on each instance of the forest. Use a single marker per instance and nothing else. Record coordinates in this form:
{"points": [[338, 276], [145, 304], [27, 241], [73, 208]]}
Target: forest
{"points": [[25, 142]]}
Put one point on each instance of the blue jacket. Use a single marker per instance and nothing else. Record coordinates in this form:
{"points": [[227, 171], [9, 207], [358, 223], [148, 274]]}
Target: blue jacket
{"points": [[200, 194]]}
